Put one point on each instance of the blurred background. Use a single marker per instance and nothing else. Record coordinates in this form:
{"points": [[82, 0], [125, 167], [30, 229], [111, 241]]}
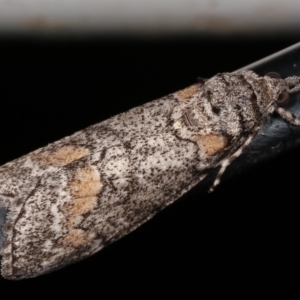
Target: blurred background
{"points": [[65, 65], [156, 17]]}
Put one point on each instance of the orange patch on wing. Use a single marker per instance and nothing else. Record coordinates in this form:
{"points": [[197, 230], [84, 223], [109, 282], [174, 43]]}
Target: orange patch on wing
{"points": [[82, 205], [77, 237], [85, 183], [84, 188], [211, 143], [61, 156], [188, 92]]}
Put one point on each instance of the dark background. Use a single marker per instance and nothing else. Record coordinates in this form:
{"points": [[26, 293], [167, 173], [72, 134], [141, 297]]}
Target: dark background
{"points": [[240, 241]]}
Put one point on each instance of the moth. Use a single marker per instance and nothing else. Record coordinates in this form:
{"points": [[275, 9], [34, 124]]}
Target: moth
{"points": [[68, 200]]}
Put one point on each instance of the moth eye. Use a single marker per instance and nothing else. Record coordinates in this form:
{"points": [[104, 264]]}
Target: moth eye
{"points": [[283, 98], [273, 75]]}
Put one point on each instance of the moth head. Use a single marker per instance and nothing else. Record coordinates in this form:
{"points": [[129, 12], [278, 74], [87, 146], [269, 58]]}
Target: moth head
{"points": [[279, 87]]}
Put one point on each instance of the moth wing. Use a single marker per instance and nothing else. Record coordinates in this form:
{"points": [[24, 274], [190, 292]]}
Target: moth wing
{"points": [[87, 190]]}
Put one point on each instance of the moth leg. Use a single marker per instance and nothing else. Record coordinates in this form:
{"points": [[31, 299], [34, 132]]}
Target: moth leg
{"points": [[227, 161], [288, 116]]}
